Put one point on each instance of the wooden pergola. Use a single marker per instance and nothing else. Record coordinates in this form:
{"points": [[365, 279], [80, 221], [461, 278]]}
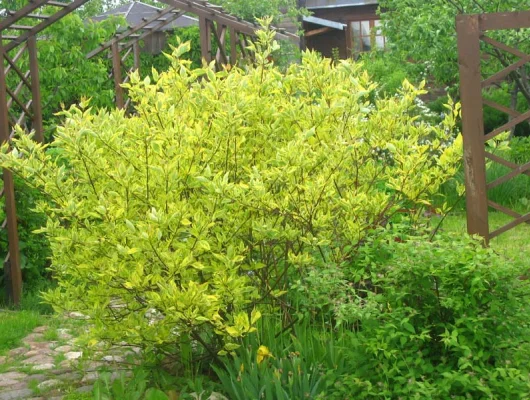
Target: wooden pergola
{"points": [[20, 103]]}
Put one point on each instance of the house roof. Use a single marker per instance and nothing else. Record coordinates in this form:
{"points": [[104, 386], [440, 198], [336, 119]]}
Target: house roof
{"points": [[136, 11], [325, 22], [314, 4]]}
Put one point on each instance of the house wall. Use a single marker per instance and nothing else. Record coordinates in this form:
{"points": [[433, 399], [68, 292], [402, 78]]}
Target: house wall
{"points": [[154, 43], [324, 43]]}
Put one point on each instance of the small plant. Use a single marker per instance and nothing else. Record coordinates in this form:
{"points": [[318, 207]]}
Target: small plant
{"points": [[434, 319]]}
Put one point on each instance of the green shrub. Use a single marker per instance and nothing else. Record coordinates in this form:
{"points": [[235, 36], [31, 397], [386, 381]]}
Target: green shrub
{"points": [[173, 223], [433, 319], [34, 248]]}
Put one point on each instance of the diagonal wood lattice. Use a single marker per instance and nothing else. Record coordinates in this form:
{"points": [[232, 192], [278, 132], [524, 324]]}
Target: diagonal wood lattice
{"points": [[473, 38], [20, 103], [215, 27], [20, 99]]}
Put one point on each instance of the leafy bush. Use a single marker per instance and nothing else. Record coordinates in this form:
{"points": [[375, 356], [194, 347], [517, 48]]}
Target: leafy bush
{"points": [[438, 320], [169, 226], [34, 248]]}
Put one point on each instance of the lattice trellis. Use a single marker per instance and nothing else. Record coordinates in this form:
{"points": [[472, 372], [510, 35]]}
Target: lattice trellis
{"points": [[20, 102], [20, 99], [473, 39]]}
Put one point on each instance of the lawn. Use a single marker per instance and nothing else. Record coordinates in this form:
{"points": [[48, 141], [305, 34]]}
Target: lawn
{"points": [[513, 244], [15, 325]]}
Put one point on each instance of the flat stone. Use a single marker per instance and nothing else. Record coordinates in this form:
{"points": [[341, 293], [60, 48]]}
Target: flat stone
{"points": [[37, 377], [63, 349], [43, 367], [77, 315], [18, 351], [41, 345], [3, 360], [90, 377], [16, 394], [13, 375], [73, 355], [71, 376], [40, 329], [48, 384], [85, 389], [16, 386], [33, 337], [65, 364], [8, 382], [117, 359], [39, 359]]}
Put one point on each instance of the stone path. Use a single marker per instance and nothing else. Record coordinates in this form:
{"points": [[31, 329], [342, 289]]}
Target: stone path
{"points": [[50, 366]]}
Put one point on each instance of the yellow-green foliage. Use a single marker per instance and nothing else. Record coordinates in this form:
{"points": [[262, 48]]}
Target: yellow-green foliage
{"points": [[175, 221]]}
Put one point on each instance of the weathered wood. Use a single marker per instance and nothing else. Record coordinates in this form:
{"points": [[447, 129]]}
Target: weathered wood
{"points": [[13, 261], [205, 38], [116, 72], [472, 123], [36, 103]]}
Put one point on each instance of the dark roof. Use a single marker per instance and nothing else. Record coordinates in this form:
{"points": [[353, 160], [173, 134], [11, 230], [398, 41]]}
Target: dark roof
{"points": [[312, 4], [135, 13]]}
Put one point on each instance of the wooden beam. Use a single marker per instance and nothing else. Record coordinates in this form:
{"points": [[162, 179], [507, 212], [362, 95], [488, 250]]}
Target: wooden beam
{"points": [[22, 13], [13, 261], [43, 25], [129, 32], [206, 10], [468, 33], [36, 104], [319, 31], [205, 38], [116, 71]]}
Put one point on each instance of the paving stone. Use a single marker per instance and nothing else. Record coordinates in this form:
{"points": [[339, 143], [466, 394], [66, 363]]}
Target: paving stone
{"points": [[85, 389], [3, 360], [63, 349], [77, 315], [39, 359], [43, 367], [73, 355], [37, 377], [69, 376], [8, 382], [50, 383], [40, 329], [13, 375], [16, 394], [38, 346], [90, 377], [33, 337], [117, 359], [17, 352]]}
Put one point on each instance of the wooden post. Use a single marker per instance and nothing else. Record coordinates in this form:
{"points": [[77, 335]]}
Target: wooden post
{"points": [[136, 55], [233, 46], [206, 40], [116, 72], [468, 30], [12, 262], [349, 41], [36, 102]]}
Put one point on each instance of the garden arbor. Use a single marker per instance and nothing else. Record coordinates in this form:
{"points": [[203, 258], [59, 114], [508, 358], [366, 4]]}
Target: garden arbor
{"points": [[20, 102], [475, 41]]}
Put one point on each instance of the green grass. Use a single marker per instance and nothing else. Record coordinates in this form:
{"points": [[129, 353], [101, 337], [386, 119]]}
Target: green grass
{"points": [[14, 326], [512, 244]]}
